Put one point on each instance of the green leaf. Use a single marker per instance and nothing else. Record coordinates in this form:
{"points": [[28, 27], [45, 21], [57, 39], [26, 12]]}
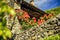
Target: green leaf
{"points": [[1, 32]]}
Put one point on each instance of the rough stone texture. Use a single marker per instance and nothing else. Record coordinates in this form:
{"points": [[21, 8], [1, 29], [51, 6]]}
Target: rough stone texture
{"points": [[16, 27], [13, 25], [50, 27]]}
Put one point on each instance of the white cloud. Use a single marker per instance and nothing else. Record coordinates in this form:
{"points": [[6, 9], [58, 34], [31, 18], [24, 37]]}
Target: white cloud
{"points": [[41, 1]]}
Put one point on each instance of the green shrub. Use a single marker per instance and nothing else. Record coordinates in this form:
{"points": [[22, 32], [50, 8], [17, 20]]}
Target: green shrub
{"points": [[4, 31]]}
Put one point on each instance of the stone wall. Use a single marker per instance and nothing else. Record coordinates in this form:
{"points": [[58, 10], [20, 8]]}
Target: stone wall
{"points": [[50, 27]]}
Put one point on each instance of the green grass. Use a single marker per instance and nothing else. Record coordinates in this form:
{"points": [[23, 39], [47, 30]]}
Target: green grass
{"points": [[53, 37], [56, 10]]}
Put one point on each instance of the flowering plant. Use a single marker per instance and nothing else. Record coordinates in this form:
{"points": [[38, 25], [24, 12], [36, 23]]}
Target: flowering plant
{"points": [[28, 22]]}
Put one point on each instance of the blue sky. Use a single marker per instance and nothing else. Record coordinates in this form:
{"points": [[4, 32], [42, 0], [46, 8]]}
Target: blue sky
{"points": [[46, 4]]}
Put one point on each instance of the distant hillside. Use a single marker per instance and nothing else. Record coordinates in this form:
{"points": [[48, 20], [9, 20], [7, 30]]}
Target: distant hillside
{"points": [[56, 10]]}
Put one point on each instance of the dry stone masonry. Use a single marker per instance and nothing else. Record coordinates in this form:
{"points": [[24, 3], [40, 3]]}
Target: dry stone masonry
{"points": [[50, 27]]}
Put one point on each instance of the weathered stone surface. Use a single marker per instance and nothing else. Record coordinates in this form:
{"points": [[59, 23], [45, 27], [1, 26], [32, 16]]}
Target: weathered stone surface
{"points": [[48, 28], [58, 23], [58, 17]]}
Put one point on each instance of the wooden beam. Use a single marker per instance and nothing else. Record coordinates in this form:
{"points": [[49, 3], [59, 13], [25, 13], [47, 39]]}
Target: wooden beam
{"points": [[32, 10]]}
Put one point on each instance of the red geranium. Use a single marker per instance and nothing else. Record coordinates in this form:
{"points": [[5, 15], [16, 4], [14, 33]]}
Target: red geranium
{"points": [[39, 22], [19, 17], [25, 16], [34, 19]]}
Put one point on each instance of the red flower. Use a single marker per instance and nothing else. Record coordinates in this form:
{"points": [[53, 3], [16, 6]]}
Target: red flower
{"points": [[34, 19], [25, 15], [19, 17], [39, 22]]}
